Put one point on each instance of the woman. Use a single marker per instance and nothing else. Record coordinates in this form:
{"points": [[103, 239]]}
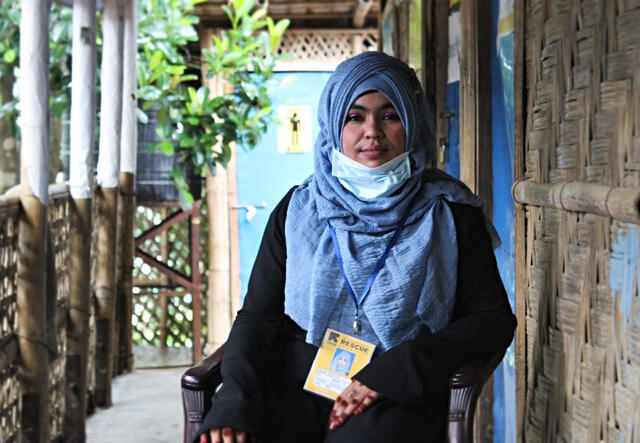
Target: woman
{"points": [[375, 245]]}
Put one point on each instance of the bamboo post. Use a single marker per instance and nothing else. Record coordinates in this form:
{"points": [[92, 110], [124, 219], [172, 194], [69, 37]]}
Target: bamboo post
{"points": [[164, 280], [83, 110], [519, 246], [196, 291], [360, 12], [107, 199], [34, 174], [128, 151], [475, 143], [441, 40], [475, 101], [622, 204], [219, 301]]}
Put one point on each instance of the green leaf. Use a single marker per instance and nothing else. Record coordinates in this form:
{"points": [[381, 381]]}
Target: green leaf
{"points": [[167, 147], [157, 57], [10, 56], [142, 116]]}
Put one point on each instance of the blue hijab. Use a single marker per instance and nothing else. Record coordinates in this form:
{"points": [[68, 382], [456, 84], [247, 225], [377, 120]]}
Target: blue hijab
{"points": [[415, 290]]}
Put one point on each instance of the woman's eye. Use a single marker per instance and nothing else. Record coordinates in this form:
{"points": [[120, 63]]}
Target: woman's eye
{"points": [[391, 116], [354, 118]]}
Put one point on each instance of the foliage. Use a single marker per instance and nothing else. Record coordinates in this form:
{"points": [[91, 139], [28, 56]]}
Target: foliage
{"points": [[199, 125], [60, 32]]}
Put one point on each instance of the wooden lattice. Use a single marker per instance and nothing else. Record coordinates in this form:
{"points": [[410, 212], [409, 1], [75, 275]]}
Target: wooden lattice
{"points": [[322, 50], [59, 231], [162, 310], [9, 387], [582, 300]]}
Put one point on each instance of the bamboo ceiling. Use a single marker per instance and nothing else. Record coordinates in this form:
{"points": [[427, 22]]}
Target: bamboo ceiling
{"points": [[324, 13]]}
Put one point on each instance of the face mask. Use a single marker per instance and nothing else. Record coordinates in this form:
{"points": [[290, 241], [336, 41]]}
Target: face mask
{"points": [[368, 183]]}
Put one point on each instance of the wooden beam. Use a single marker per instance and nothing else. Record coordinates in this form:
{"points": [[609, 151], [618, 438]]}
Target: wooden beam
{"points": [[475, 101], [174, 218], [33, 369], [441, 44], [360, 12], [174, 275]]}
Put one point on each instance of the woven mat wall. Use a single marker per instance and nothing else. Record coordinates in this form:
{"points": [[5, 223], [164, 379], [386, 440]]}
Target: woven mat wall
{"points": [[583, 270]]}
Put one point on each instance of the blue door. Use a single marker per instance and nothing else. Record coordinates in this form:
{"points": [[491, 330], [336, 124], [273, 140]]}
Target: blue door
{"points": [[283, 159]]}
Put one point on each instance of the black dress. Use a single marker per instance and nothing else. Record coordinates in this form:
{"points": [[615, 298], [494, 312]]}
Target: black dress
{"points": [[267, 360]]}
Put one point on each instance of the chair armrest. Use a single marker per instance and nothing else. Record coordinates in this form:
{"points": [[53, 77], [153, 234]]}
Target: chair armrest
{"points": [[465, 385], [198, 385]]}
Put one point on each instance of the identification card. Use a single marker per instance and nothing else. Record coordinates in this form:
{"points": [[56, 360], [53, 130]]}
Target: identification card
{"points": [[339, 358]]}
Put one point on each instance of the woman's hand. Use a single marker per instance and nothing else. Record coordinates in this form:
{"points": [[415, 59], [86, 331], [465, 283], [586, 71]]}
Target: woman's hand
{"points": [[353, 400], [225, 435]]}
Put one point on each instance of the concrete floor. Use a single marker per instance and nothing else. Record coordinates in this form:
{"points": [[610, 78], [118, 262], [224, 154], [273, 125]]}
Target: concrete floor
{"points": [[147, 406]]}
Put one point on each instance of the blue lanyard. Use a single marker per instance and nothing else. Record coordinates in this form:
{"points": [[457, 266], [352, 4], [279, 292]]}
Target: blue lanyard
{"points": [[358, 301]]}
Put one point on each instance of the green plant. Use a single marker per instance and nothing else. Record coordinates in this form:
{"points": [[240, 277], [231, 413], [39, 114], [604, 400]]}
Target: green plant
{"points": [[201, 126], [60, 32]]}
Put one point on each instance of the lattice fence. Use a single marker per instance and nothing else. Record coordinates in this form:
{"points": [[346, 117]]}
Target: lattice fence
{"points": [[9, 387], [582, 269], [323, 49], [162, 310], [59, 231]]}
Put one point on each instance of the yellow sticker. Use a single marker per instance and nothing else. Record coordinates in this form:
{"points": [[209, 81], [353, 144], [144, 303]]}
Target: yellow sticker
{"points": [[340, 357]]}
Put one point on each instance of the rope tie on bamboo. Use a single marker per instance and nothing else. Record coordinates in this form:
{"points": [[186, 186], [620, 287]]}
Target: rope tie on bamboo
{"points": [[561, 194], [79, 309], [38, 342], [606, 202]]}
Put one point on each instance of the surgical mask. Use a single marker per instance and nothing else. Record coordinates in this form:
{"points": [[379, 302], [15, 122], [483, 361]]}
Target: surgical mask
{"points": [[368, 183]]}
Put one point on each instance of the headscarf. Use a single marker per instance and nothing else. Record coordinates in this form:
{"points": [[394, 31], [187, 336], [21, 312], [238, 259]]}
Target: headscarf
{"points": [[416, 287]]}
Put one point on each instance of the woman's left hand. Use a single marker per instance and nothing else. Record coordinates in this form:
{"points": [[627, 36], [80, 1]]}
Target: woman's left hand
{"points": [[353, 400]]}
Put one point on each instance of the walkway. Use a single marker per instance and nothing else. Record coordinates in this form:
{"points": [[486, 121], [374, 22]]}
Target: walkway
{"points": [[147, 406]]}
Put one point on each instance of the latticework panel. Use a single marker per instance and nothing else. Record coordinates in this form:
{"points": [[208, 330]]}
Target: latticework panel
{"points": [[323, 49], [162, 311], [59, 231], [582, 270], [9, 386]]}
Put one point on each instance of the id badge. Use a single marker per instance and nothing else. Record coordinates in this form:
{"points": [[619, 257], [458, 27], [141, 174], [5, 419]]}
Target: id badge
{"points": [[340, 357]]}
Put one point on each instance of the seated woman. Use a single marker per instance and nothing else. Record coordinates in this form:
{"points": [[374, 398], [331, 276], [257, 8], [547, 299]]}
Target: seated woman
{"points": [[375, 245]]}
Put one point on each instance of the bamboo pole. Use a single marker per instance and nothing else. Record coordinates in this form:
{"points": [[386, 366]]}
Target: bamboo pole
{"points": [[519, 222], [83, 110], [126, 210], [107, 199], [31, 292], [219, 300], [196, 291], [441, 40], [622, 204], [128, 152]]}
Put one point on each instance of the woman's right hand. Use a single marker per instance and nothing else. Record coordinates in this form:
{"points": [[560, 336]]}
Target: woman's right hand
{"points": [[225, 435]]}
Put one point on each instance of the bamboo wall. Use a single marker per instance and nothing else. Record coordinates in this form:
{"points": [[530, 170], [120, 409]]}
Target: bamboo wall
{"points": [[9, 391], [58, 305], [581, 264]]}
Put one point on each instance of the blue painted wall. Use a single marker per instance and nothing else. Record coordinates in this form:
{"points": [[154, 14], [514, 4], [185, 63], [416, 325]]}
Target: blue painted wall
{"points": [[265, 175], [502, 164]]}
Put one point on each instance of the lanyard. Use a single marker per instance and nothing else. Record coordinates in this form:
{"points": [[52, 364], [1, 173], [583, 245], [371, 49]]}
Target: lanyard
{"points": [[358, 301]]}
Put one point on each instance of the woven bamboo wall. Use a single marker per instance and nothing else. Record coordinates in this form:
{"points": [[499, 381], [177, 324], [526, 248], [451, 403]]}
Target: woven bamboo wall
{"points": [[9, 387], [582, 89], [59, 231]]}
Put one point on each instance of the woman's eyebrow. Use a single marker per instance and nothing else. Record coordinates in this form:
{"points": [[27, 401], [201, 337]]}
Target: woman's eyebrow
{"points": [[357, 107]]}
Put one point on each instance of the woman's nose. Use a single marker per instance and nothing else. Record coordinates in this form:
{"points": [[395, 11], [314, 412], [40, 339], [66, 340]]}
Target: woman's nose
{"points": [[372, 128]]}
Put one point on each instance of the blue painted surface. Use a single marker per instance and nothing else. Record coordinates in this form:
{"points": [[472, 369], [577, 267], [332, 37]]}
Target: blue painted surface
{"points": [[452, 165], [265, 175], [502, 163]]}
